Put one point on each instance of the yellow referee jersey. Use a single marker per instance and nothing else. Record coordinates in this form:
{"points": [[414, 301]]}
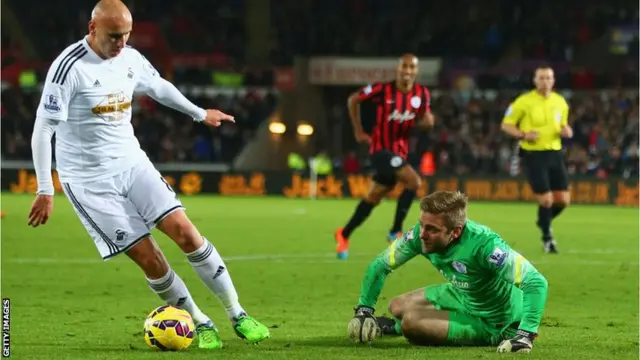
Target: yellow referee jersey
{"points": [[546, 115]]}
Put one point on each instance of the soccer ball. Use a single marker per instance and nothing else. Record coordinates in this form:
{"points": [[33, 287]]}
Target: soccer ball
{"points": [[168, 328]]}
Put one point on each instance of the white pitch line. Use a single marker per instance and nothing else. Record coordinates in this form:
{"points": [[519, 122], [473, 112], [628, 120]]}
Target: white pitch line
{"points": [[601, 251], [314, 258]]}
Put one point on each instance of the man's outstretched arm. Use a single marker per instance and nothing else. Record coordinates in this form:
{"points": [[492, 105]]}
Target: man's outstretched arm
{"points": [[164, 92], [363, 327], [398, 253]]}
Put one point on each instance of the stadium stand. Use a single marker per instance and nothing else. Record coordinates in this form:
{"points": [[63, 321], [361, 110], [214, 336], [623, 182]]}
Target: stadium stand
{"points": [[460, 29], [495, 36]]}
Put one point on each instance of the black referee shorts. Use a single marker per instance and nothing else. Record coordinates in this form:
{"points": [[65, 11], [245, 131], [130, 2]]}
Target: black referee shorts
{"points": [[385, 164], [545, 170]]}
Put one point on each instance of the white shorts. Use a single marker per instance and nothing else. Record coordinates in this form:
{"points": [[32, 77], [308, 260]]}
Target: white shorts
{"points": [[120, 211]]}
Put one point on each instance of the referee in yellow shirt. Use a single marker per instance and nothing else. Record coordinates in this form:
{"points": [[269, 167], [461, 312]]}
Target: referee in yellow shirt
{"points": [[538, 119]]}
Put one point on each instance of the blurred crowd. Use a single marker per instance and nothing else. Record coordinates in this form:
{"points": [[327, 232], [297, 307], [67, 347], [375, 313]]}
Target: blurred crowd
{"points": [[467, 138], [495, 41], [164, 134], [486, 29], [186, 24]]}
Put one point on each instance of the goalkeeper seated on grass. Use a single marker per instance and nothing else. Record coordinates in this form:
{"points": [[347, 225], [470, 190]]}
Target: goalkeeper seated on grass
{"points": [[494, 296]]}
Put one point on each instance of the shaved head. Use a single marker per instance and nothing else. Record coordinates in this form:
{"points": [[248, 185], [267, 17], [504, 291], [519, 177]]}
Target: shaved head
{"points": [[407, 70], [109, 28], [105, 9], [408, 58]]}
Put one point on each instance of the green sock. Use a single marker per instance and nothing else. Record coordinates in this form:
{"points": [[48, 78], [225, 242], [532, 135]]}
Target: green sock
{"points": [[398, 326]]}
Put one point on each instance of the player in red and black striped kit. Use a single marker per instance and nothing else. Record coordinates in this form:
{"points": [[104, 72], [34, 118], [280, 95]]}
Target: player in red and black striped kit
{"points": [[400, 106]]}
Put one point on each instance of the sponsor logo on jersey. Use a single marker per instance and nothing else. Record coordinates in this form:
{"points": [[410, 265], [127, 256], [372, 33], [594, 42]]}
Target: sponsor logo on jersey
{"points": [[401, 116], [498, 257], [113, 107], [455, 282], [52, 104], [460, 267]]}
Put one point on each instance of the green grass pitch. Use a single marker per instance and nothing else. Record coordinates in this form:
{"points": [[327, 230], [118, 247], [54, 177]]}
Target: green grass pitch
{"points": [[68, 304]]}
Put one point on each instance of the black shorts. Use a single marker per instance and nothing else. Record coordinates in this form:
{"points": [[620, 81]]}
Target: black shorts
{"points": [[546, 170], [386, 165]]}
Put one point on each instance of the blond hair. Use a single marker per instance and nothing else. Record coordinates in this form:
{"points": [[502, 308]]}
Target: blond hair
{"points": [[452, 205]]}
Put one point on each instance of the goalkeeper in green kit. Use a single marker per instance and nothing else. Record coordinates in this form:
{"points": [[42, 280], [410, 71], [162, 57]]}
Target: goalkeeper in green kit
{"points": [[493, 296]]}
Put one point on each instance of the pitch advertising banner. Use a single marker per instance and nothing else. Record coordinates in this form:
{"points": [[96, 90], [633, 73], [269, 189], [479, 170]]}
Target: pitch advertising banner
{"points": [[583, 191]]}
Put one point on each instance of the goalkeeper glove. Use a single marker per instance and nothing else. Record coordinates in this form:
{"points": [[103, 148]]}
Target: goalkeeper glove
{"points": [[522, 342], [363, 327]]}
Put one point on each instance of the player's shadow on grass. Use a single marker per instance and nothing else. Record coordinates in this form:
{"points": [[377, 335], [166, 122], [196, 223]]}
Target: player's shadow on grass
{"points": [[341, 342], [111, 349]]}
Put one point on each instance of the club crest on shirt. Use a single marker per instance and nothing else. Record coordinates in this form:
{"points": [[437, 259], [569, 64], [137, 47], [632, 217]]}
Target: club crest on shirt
{"points": [[396, 161], [460, 267], [416, 102], [121, 237]]}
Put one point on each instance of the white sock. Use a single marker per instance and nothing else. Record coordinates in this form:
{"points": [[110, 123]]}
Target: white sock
{"points": [[209, 265], [173, 291]]}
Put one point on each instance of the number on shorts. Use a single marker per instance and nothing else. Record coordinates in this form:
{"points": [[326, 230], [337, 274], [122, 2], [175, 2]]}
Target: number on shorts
{"points": [[166, 183]]}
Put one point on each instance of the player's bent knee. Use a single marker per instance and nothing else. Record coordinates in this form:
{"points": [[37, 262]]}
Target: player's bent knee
{"points": [[373, 200], [545, 200], [375, 197], [396, 307], [414, 184], [179, 228], [562, 200], [410, 178], [148, 256]]}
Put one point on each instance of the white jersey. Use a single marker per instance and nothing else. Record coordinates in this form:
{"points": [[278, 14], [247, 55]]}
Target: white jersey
{"points": [[92, 99]]}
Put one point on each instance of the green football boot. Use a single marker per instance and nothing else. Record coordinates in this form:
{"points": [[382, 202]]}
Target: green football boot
{"points": [[250, 329], [208, 336]]}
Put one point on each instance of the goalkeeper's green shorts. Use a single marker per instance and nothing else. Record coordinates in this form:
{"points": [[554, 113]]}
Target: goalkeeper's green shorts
{"points": [[464, 329]]}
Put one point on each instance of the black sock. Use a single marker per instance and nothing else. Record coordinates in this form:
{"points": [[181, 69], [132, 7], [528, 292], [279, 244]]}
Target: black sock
{"points": [[544, 221], [359, 216], [556, 210], [404, 204]]}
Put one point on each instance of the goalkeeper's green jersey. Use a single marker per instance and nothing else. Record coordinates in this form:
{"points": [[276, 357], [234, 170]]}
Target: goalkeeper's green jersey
{"points": [[491, 280]]}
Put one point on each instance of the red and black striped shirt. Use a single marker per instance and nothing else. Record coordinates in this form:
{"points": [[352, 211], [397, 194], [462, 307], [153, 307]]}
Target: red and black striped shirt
{"points": [[396, 114]]}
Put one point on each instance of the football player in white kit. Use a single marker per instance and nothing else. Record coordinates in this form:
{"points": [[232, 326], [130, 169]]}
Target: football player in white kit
{"points": [[115, 190]]}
